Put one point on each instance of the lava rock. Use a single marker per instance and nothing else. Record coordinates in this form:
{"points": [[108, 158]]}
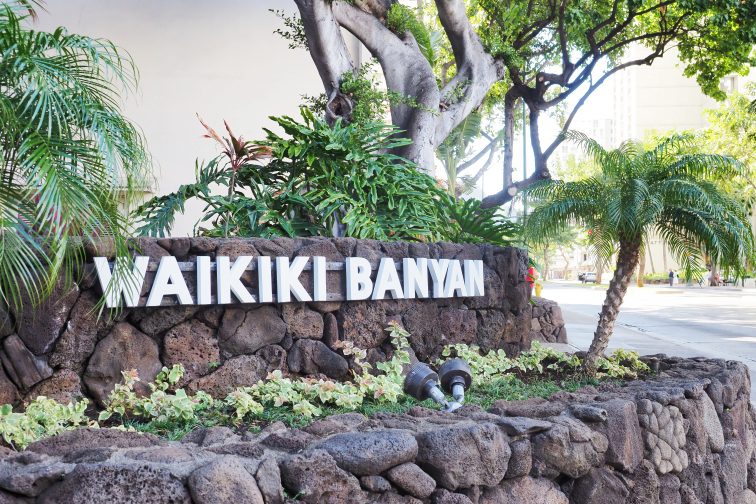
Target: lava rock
{"points": [[302, 322], [312, 356], [370, 453], [524, 489], [463, 455], [23, 367], [599, 486], [40, 324], [268, 478], [78, 340], [117, 483], [240, 371], [411, 479], [521, 460], [86, 438], [316, 479], [245, 331], [377, 484], [124, 349], [224, 480], [63, 386], [623, 432], [192, 344]]}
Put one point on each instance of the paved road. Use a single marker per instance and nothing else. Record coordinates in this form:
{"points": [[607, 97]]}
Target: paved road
{"points": [[717, 322]]}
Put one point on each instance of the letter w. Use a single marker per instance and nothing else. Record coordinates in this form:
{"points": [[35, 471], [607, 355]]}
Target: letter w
{"points": [[121, 281]]}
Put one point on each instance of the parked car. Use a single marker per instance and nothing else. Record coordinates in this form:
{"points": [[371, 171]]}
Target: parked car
{"points": [[587, 277]]}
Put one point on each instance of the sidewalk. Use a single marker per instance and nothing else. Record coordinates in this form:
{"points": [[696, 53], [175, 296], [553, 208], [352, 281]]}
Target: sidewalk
{"points": [[684, 321]]}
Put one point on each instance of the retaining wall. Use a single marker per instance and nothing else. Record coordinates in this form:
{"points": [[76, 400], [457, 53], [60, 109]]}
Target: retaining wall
{"points": [[686, 436]]}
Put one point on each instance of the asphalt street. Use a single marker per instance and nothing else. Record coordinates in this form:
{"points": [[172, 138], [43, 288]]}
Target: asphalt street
{"points": [[718, 322]]}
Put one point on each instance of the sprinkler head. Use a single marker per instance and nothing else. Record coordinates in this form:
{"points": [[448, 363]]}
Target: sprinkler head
{"points": [[421, 383], [456, 377]]}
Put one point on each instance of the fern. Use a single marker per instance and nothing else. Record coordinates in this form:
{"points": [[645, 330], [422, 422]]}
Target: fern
{"points": [[469, 223]]}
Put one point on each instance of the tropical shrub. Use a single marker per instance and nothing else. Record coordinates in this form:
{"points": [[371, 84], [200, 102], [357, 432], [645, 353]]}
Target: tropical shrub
{"points": [[322, 180], [665, 191], [67, 153]]}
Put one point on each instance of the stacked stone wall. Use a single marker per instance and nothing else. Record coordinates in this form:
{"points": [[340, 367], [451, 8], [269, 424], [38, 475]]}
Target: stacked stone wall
{"points": [[64, 349], [686, 436]]}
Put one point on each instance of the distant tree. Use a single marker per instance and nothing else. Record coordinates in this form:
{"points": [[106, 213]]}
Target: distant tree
{"points": [[665, 191], [538, 51], [732, 131]]}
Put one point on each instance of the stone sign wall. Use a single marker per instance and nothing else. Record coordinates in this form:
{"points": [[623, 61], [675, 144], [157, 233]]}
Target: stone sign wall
{"points": [[63, 350]]}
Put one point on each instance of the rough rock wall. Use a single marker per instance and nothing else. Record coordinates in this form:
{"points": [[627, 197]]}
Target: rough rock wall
{"points": [[62, 350], [547, 323], [686, 436]]}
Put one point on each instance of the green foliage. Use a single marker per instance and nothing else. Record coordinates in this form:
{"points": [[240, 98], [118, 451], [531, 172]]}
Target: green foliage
{"points": [[664, 190], [297, 400], [539, 359], [371, 99], [714, 38], [469, 223], [160, 405], [623, 364], [293, 30], [42, 418], [402, 19], [732, 131], [317, 180], [67, 154]]}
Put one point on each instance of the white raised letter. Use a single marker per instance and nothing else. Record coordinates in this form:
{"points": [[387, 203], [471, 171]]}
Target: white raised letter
{"points": [[438, 269], [229, 279], [474, 278], [387, 279], [455, 281], [204, 281], [264, 280], [415, 272], [319, 288], [358, 283], [169, 282], [287, 279], [126, 284]]}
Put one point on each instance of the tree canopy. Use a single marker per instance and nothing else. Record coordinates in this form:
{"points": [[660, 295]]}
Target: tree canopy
{"points": [[449, 57]]}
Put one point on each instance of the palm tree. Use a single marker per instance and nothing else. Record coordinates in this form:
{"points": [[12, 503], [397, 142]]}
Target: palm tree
{"points": [[638, 192], [67, 154]]}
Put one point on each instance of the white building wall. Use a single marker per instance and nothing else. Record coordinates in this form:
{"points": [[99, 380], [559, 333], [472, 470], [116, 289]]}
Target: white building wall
{"points": [[218, 59]]}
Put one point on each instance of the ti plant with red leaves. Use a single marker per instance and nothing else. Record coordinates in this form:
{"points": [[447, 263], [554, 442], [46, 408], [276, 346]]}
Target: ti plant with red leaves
{"points": [[238, 153]]}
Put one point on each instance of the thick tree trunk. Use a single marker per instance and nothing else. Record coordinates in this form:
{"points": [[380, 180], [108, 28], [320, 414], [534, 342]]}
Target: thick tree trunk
{"points": [[627, 261], [329, 53], [715, 277], [599, 270], [641, 269]]}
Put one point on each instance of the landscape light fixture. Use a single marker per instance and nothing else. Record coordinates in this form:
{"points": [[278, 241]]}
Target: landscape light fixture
{"points": [[421, 383], [456, 377]]}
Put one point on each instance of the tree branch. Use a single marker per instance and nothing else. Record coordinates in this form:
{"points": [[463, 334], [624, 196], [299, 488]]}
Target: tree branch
{"points": [[329, 53], [490, 148], [644, 61], [477, 71], [406, 72], [511, 191]]}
